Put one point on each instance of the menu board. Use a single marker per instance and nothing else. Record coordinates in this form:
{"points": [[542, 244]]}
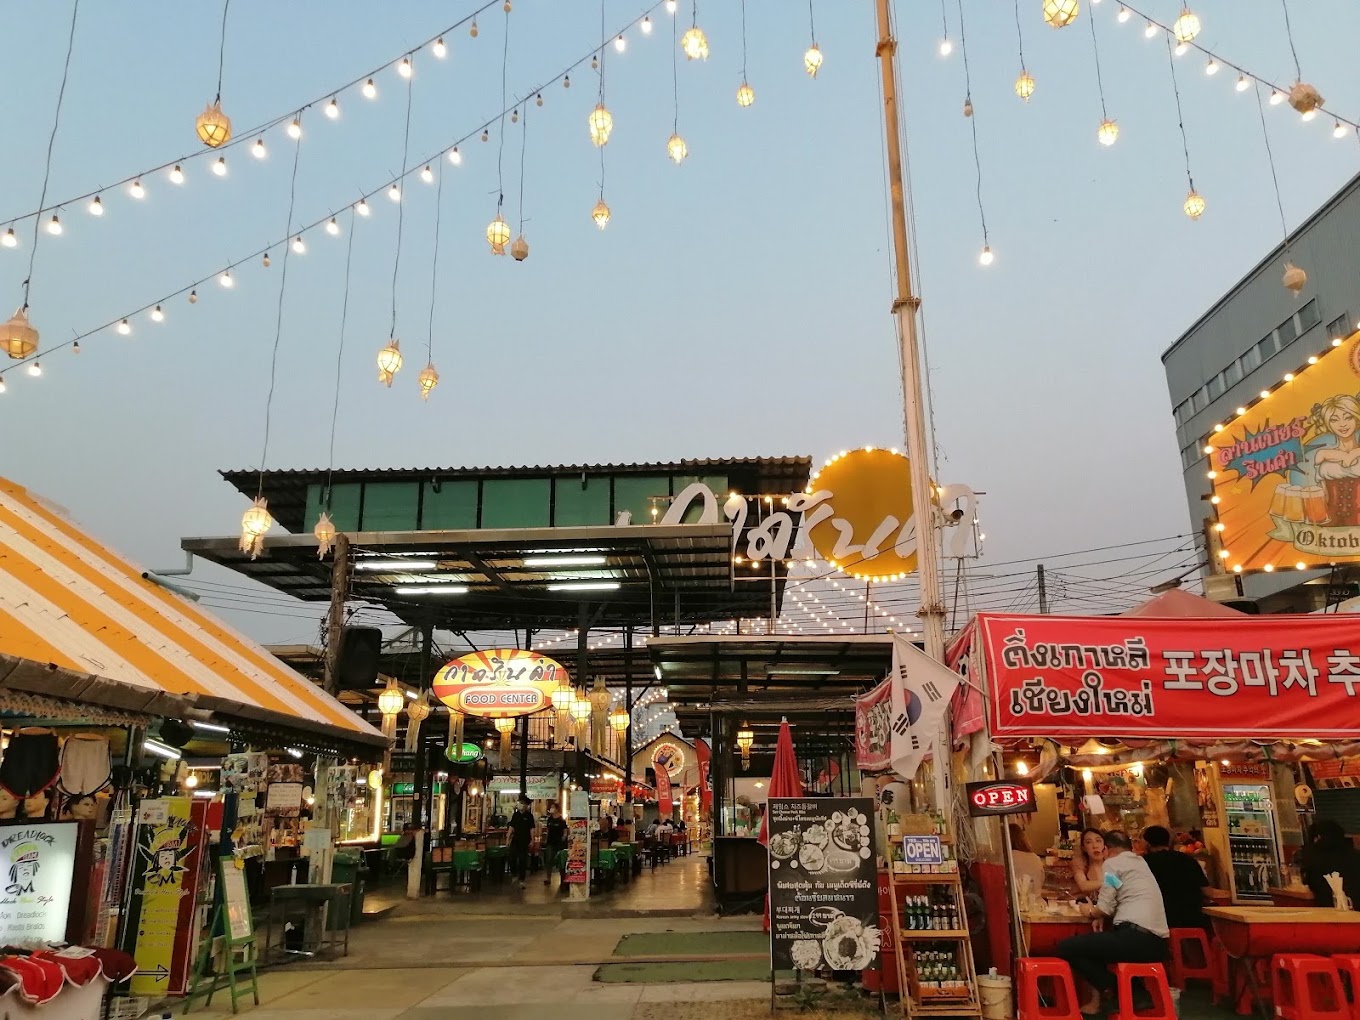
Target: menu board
{"points": [[823, 886], [165, 873], [578, 851], [236, 899]]}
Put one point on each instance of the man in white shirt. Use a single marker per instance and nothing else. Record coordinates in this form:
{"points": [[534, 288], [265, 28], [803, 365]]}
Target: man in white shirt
{"points": [[1130, 922]]}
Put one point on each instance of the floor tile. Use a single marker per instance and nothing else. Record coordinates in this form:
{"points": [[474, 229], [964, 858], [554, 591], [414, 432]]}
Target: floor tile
{"points": [[376, 989]]}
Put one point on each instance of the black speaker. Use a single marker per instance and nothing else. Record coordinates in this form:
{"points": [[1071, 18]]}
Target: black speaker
{"points": [[360, 655]]}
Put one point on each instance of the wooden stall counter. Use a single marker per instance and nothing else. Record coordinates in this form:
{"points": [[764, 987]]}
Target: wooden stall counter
{"points": [[1265, 931], [1044, 929], [1292, 896], [1217, 897]]}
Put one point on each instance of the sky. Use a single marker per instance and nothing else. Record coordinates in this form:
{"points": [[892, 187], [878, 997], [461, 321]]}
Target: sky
{"points": [[736, 305]]}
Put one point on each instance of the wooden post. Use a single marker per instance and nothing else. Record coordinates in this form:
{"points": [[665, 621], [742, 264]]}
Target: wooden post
{"points": [[335, 619]]}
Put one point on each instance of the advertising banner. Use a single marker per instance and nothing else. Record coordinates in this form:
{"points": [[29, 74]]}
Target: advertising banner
{"points": [[37, 866], [823, 883], [873, 728], [578, 851], [664, 803], [1286, 472], [165, 872], [1257, 676], [500, 683]]}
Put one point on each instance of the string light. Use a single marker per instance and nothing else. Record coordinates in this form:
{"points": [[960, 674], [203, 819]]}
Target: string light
{"points": [[333, 228], [620, 44], [136, 190], [404, 68], [177, 175], [1123, 15], [295, 129], [333, 109], [455, 157], [226, 280], [220, 167], [370, 90], [96, 206], [10, 240], [157, 315], [299, 246], [427, 175], [1211, 68], [124, 328], [1242, 83], [394, 192], [646, 25], [1151, 31], [258, 150], [439, 49], [361, 207]]}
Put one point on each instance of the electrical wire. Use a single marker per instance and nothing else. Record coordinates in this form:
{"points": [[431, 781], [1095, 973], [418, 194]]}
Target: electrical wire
{"points": [[1289, 34], [339, 358], [222, 49], [972, 122], [1270, 158], [1180, 118], [1100, 81], [401, 203]]}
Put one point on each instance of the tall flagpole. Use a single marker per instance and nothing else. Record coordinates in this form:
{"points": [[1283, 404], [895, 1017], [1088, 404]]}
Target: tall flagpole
{"points": [[905, 305]]}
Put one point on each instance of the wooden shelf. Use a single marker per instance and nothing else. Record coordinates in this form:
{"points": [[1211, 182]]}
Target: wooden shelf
{"points": [[917, 934], [946, 840], [926, 877], [956, 1008]]}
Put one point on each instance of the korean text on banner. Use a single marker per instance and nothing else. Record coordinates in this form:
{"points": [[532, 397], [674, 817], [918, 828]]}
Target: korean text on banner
{"points": [[921, 689], [873, 728], [1260, 676]]}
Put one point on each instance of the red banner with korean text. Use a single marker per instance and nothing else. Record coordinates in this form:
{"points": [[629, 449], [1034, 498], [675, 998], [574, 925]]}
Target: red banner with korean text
{"points": [[1260, 676], [873, 728], [663, 792]]}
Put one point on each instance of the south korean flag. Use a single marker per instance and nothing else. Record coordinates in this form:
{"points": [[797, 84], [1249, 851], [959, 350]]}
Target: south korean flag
{"points": [[921, 689]]}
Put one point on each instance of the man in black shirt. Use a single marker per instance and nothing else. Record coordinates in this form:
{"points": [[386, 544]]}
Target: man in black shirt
{"points": [[1180, 878], [521, 827], [554, 839], [1330, 852]]}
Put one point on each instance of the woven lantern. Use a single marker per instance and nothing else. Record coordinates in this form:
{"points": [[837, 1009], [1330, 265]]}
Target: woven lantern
{"points": [[562, 699], [416, 713], [428, 380], [1108, 132], [498, 235], [1024, 85], [600, 214], [255, 522], [519, 251], [580, 712], [505, 727], [457, 725], [324, 533], [745, 95], [1194, 205], [812, 60], [1187, 26], [601, 123], [1304, 98], [214, 126], [676, 149], [1060, 13], [1294, 278], [389, 362], [18, 338], [599, 716], [390, 703], [746, 738], [695, 44]]}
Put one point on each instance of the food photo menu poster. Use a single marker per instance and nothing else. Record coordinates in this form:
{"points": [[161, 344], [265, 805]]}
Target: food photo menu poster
{"points": [[823, 888]]}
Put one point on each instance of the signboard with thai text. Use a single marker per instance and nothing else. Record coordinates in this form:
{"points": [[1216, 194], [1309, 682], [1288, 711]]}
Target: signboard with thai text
{"points": [[873, 728], [500, 683], [1258, 676]]}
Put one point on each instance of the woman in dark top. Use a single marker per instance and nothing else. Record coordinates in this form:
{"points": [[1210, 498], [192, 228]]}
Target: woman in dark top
{"points": [[1328, 851]]}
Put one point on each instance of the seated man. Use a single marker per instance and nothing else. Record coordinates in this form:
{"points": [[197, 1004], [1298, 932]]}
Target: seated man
{"points": [[1180, 878], [1130, 922]]}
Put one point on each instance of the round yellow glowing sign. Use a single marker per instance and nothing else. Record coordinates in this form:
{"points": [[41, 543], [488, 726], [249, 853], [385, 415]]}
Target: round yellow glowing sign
{"points": [[869, 533]]}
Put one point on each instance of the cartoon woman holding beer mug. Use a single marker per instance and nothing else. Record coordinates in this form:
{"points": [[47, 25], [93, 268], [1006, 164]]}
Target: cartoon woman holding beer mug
{"points": [[1338, 465]]}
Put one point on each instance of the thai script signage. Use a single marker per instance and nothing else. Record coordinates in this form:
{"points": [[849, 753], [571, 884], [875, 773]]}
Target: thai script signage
{"points": [[500, 683]]}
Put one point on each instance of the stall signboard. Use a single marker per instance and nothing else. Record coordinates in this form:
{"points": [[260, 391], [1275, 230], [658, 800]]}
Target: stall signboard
{"points": [[823, 883], [1336, 774], [1000, 797], [922, 850], [671, 756], [536, 787], [1254, 676], [873, 728], [37, 867], [165, 874], [463, 754], [578, 851], [1286, 472], [500, 683]]}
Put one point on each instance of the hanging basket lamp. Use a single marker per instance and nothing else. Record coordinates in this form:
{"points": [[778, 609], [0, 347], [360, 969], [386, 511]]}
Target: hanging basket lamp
{"points": [[324, 533], [428, 380], [255, 523], [389, 362], [214, 126], [498, 235], [600, 214], [1060, 13], [601, 123], [18, 338]]}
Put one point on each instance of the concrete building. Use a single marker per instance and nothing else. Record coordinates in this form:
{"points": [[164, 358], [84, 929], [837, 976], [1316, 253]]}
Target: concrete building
{"points": [[1247, 341]]}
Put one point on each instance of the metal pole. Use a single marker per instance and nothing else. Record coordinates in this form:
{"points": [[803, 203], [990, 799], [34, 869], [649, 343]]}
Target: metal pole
{"points": [[628, 703], [335, 619], [905, 305], [524, 731], [423, 794], [1043, 591]]}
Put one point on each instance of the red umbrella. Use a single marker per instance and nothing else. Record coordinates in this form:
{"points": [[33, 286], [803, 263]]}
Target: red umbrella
{"points": [[785, 781]]}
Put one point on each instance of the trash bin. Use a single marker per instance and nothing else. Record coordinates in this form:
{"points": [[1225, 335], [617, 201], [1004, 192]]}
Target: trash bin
{"points": [[348, 869]]}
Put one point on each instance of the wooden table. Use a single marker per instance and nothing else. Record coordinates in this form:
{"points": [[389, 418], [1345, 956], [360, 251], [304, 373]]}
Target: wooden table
{"points": [[1251, 935]]}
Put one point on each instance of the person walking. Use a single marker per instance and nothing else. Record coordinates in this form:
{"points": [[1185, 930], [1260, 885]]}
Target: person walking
{"points": [[1130, 922], [521, 830], [554, 839]]}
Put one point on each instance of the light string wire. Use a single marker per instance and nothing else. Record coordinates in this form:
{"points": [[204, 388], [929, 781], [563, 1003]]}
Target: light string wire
{"points": [[812, 24], [500, 141], [51, 142], [434, 262], [675, 74], [743, 41], [1180, 117], [363, 197], [401, 204], [523, 151], [1270, 158], [245, 135], [1289, 34], [1100, 81], [972, 122], [1237, 67], [944, 20], [1019, 37], [278, 317], [222, 49], [339, 357]]}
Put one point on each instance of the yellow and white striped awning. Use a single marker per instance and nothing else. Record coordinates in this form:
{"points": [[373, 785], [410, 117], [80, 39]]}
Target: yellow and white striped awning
{"points": [[69, 601]]}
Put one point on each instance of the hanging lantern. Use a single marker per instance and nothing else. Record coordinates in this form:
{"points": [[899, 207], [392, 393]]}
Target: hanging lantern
{"points": [[1294, 278], [428, 380], [18, 338], [1024, 85], [745, 739], [619, 719], [390, 703], [389, 362], [695, 44], [600, 214], [600, 122], [1194, 205], [580, 712], [968, 107], [676, 149], [1060, 13], [214, 126], [255, 522], [1108, 132], [745, 95], [324, 533], [505, 727], [457, 726], [599, 717], [562, 700], [1304, 98], [812, 60], [519, 251], [375, 779], [416, 713], [498, 235], [1187, 26]]}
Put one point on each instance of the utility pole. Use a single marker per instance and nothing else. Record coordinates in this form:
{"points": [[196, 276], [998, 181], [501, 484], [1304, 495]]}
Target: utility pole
{"points": [[335, 618], [1043, 591]]}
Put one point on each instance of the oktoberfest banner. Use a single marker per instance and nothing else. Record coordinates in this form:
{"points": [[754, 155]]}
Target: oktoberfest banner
{"points": [[1254, 677], [921, 689], [873, 728]]}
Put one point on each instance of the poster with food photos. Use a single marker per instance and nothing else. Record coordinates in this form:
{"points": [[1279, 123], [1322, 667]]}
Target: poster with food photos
{"points": [[823, 886]]}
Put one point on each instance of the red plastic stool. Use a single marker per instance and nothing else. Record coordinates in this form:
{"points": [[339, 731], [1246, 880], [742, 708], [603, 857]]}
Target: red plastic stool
{"points": [[1195, 965], [1307, 987], [1348, 966], [1154, 976], [1060, 990]]}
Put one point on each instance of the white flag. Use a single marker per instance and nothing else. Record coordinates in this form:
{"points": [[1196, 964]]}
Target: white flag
{"points": [[921, 689]]}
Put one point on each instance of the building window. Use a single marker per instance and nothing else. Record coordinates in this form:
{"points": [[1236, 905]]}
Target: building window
{"points": [[1265, 348], [1200, 400], [1340, 326], [1182, 412], [1309, 316], [1232, 375], [1249, 361], [1190, 456], [1288, 332], [1216, 386]]}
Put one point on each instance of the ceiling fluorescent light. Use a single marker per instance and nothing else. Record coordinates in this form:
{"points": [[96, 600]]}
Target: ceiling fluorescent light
{"points": [[565, 561], [585, 586], [157, 748], [211, 727], [795, 671], [432, 589], [396, 566]]}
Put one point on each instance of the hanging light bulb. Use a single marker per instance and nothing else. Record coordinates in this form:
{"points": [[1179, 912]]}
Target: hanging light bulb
{"points": [[299, 246], [595, 62], [1276, 97], [1211, 68], [620, 43], [439, 49], [498, 235], [34, 369], [486, 135], [1024, 85], [226, 280], [695, 44], [361, 207], [258, 150], [333, 228], [389, 362], [1181, 48], [1108, 132], [1060, 13], [333, 109], [370, 90], [10, 240], [214, 126], [812, 60], [538, 99], [676, 149], [566, 81], [54, 226], [473, 30], [394, 192], [1123, 15], [946, 47], [17, 338], [745, 94], [1150, 31], [1187, 26], [1194, 205], [136, 190], [646, 25], [514, 115], [455, 157], [428, 380], [670, 6], [1339, 131], [601, 123], [427, 175], [124, 328], [177, 175], [985, 257], [404, 68], [157, 315], [193, 297], [600, 214], [255, 524], [220, 167], [295, 129]]}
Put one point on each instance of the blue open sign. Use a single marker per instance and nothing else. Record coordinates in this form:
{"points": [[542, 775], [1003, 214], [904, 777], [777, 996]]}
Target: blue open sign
{"points": [[922, 850]]}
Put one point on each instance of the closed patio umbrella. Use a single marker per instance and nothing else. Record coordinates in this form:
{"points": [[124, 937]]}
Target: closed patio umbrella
{"points": [[785, 781]]}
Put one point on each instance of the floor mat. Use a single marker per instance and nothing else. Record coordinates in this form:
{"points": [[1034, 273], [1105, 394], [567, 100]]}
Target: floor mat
{"points": [[663, 973], [694, 943]]}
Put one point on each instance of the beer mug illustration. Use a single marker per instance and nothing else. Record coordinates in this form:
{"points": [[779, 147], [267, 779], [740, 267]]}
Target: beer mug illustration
{"points": [[1277, 500], [1314, 504], [1293, 503]]}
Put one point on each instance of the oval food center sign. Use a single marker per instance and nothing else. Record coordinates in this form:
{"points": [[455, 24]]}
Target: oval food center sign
{"points": [[500, 683]]}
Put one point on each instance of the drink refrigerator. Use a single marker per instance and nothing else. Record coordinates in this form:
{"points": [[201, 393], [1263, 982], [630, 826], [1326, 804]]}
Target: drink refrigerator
{"points": [[1253, 841]]}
